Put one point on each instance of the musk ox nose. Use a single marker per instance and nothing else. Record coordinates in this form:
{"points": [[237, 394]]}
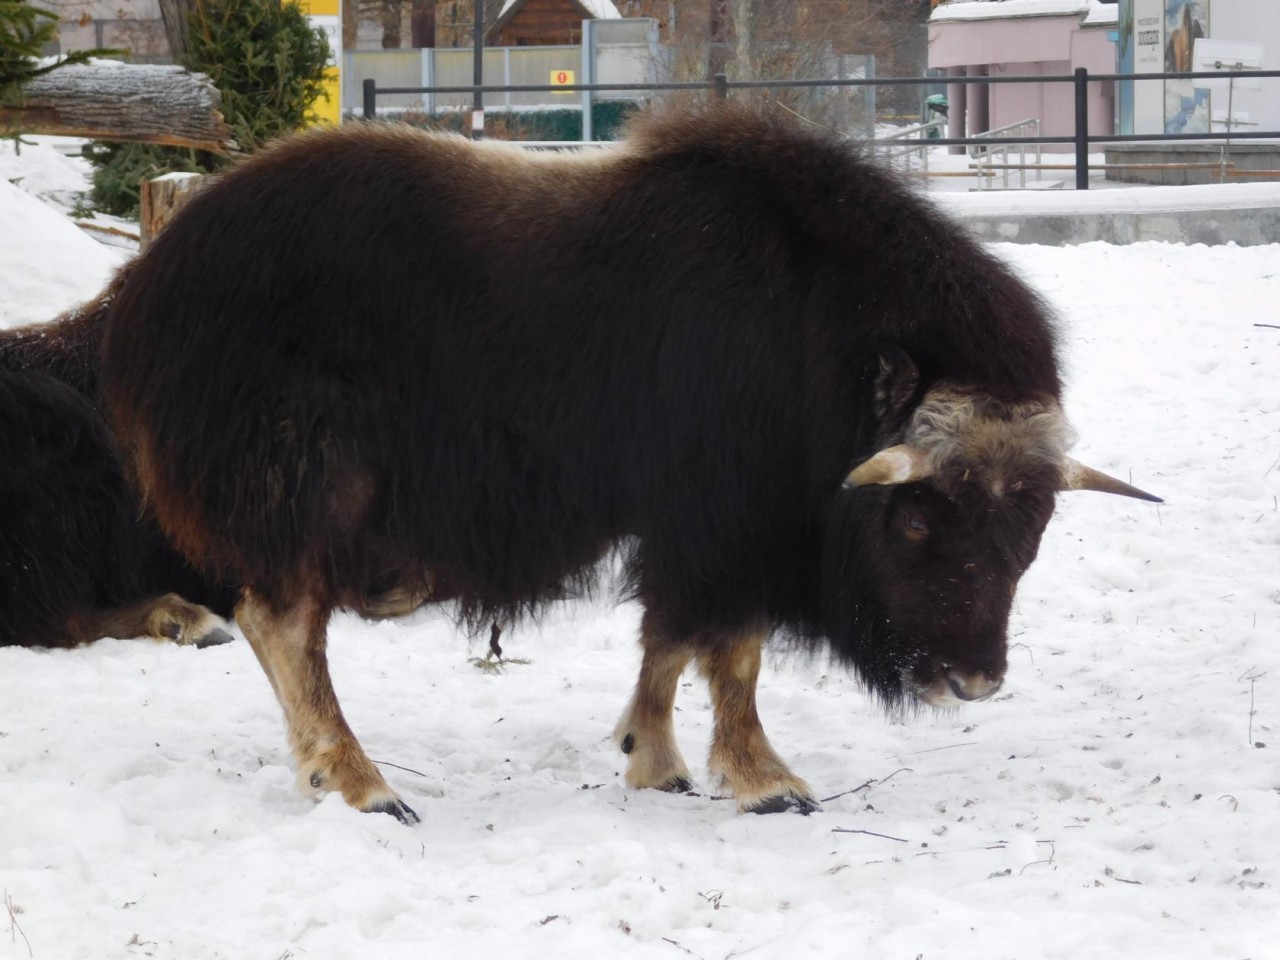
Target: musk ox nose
{"points": [[942, 684], [972, 686]]}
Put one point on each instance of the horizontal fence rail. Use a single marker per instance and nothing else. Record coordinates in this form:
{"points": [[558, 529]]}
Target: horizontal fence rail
{"points": [[721, 86]]}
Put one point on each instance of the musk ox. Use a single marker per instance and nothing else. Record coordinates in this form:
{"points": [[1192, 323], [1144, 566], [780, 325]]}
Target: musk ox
{"points": [[79, 558], [795, 398], [77, 562]]}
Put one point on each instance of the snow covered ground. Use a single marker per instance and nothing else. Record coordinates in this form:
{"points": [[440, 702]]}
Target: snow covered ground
{"points": [[1119, 799]]}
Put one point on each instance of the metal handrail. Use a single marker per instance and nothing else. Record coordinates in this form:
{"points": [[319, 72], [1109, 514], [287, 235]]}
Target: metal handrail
{"points": [[986, 153], [910, 143]]}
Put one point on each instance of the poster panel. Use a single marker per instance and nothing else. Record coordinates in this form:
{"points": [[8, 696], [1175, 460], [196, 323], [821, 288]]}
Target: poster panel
{"points": [[1186, 107], [1148, 57], [1124, 63]]}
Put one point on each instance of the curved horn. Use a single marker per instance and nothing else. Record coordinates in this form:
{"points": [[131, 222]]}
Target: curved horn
{"points": [[1076, 476], [900, 464]]}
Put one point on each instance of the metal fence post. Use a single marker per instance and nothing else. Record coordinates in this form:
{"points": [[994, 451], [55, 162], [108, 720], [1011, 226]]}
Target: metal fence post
{"points": [[721, 88], [477, 72], [588, 77], [1082, 128], [370, 98]]}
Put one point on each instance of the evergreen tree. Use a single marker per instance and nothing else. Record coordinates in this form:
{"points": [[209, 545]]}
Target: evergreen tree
{"points": [[267, 61], [24, 33]]}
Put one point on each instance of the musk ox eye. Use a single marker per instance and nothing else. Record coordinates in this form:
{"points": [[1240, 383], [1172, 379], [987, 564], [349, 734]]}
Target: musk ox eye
{"points": [[917, 525]]}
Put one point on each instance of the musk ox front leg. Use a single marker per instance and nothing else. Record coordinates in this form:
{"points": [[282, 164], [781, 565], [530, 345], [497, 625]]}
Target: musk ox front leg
{"points": [[741, 756], [741, 759], [290, 644], [645, 733]]}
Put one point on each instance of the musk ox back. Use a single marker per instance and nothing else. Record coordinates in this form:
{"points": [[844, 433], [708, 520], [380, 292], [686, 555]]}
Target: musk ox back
{"points": [[799, 398]]}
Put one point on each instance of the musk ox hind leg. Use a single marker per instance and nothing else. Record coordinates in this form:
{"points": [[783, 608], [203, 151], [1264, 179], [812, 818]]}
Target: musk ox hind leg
{"points": [[646, 733], [741, 755], [290, 644], [167, 617]]}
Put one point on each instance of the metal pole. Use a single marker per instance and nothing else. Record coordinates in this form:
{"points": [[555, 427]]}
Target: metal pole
{"points": [[869, 101], [477, 98], [588, 77], [1082, 128], [370, 86], [1226, 150], [721, 82]]}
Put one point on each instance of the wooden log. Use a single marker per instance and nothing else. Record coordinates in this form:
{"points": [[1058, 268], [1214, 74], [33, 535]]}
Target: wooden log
{"points": [[109, 231], [161, 198], [144, 103]]}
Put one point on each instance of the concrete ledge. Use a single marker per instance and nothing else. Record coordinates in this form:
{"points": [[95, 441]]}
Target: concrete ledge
{"points": [[1245, 214], [1246, 156]]}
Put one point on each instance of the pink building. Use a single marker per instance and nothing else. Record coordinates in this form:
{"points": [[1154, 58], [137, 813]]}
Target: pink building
{"points": [[1024, 38]]}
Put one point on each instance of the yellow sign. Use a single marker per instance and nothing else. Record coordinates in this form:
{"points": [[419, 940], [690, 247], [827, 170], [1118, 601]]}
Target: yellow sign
{"points": [[561, 78], [326, 15]]}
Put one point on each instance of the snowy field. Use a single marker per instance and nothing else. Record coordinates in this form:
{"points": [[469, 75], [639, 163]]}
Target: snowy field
{"points": [[1119, 799]]}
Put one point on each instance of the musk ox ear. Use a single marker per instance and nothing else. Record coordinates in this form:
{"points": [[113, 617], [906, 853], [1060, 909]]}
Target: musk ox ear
{"points": [[1076, 476], [895, 384], [900, 464]]}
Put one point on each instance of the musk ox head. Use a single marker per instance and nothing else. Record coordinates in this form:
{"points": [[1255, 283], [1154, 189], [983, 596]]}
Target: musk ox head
{"points": [[936, 529]]}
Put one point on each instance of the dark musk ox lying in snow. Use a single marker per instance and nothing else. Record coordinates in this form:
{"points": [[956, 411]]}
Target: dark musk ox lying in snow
{"points": [[77, 560], [79, 557], [795, 397]]}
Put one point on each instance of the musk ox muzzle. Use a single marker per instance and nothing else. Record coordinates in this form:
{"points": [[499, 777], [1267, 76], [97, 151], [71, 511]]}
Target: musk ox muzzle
{"points": [[953, 686]]}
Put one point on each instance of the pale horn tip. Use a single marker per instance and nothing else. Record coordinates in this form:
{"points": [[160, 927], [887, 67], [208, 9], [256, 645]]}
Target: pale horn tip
{"points": [[1076, 476]]}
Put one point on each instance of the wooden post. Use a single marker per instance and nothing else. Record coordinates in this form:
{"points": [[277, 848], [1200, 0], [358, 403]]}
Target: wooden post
{"points": [[161, 199]]}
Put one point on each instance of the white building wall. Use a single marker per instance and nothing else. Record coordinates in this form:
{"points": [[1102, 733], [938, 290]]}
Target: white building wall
{"points": [[1259, 21], [131, 25]]}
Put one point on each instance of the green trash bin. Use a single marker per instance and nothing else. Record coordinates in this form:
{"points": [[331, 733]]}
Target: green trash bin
{"points": [[935, 108]]}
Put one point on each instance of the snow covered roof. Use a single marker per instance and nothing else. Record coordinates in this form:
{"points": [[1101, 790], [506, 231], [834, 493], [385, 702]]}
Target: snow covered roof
{"points": [[1102, 14], [591, 9], [1007, 9]]}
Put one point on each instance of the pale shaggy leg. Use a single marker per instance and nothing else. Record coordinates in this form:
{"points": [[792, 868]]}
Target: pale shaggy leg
{"points": [[290, 645], [167, 617], [741, 756], [645, 733]]}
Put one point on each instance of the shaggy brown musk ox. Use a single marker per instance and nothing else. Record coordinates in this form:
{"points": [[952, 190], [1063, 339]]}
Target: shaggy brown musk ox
{"points": [[795, 397]]}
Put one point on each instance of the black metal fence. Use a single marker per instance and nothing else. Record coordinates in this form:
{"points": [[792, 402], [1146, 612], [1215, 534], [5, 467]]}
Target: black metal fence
{"points": [[722, 86]]}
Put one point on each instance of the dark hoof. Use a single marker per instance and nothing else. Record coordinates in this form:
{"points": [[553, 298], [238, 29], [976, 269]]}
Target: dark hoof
{"points": [[628, 743], [398, 809], [214, 638], [678, 785], [786, 804]]}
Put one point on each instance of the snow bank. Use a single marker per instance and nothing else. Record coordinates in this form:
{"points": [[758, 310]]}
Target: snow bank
{"points": [[49, 264]]}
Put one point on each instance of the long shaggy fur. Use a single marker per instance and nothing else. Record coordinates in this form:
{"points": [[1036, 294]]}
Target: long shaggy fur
{"points": [[370, 354], [72, 543]]}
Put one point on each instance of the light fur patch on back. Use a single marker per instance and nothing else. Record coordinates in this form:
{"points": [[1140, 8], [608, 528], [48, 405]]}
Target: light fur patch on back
{"points": [[514, 192], [969, 436]]}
